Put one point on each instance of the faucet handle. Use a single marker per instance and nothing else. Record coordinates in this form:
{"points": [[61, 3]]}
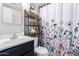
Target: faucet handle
{"points": [[14, 36]]}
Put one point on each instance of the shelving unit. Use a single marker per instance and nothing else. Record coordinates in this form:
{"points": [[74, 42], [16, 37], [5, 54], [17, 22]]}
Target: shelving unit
{"points": [[31, 23]]}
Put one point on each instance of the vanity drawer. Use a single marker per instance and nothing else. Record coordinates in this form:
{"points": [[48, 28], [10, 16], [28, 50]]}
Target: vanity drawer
{"points": [[30, 53], [19, 50]]}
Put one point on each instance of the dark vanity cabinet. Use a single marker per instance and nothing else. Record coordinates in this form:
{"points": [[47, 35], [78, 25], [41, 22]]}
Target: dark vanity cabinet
{"points": [[25, 49]]}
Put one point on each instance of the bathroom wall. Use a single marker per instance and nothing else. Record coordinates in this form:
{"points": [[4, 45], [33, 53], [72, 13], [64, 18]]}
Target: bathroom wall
{"points": [[11, 28]]}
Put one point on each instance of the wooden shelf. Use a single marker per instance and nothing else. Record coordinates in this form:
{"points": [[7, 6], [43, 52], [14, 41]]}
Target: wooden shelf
{"points": [[33, 23], [34, 34], [30, 17], [32, 14]]}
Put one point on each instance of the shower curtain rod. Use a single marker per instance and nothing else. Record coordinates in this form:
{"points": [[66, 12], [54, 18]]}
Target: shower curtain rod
{"points": [[43, 5]]}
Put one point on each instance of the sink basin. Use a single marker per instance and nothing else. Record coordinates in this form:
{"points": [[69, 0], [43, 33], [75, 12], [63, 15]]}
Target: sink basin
{"points": [[8, 43], [4, 40]]}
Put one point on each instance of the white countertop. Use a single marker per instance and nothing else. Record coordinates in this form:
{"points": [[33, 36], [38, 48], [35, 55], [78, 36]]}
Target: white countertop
{"points": [[11, 43]]}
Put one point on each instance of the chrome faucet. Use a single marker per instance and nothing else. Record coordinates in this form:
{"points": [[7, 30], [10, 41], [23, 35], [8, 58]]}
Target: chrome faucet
{"points": [[14, 36]]}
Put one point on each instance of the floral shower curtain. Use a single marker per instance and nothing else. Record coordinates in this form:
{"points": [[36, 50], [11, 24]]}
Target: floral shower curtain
{"points": [[60, 28]]}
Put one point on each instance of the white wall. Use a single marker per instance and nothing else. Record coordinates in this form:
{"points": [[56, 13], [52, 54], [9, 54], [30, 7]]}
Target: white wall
{"points": [[10, 28]]}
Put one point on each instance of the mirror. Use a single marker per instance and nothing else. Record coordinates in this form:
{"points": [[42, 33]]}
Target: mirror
{"points": [[11, 18], [11, 15]]}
